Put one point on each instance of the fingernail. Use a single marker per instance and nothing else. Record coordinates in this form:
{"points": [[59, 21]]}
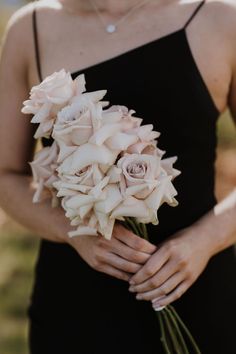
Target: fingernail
{"points": [[139, 297], [158, 308], [131, 282], [131, 289]]}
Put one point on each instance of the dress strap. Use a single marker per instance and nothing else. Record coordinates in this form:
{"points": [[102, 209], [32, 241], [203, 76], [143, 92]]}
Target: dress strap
{"points": [[36, 45], [194, 13]]}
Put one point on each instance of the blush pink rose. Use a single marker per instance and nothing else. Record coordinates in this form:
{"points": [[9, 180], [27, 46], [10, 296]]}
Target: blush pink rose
{"points": [[145, 184], [47, 98]]}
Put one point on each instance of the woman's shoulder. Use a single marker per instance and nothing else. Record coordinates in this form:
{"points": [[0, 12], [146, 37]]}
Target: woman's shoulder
{"points": [[221, 8], [24, 15], [19, 26], [220, 17]]}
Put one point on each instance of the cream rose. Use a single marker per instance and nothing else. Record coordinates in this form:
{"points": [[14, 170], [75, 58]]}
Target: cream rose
{"points": [[139, 174], [88, 199], [75, 123], [145, 185], [47, 98]]}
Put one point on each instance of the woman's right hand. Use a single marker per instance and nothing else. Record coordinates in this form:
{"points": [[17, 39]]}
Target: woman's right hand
{"points": [[120, 257]]}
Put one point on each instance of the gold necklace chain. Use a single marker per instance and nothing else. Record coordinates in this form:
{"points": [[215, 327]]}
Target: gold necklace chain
{"points": [[112, 27]]}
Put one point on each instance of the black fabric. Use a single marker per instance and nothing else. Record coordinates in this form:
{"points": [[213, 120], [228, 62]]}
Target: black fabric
{"points": [[77, 310], [36, 44], [194, 13]]}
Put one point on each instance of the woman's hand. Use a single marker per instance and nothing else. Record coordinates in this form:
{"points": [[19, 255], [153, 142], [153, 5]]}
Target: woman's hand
{"points": [[173, 268], [120, 257]]}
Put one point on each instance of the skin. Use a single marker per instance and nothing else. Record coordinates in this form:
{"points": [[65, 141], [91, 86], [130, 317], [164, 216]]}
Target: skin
{"points": [[160, 274]]}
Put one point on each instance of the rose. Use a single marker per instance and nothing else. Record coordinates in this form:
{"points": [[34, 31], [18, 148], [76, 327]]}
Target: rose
{"points": [[47, 98], [87, 201], [145, 185], [75, 122], [86, 121], [44, 171], [139, 174], [146, 140], [85, 155]]}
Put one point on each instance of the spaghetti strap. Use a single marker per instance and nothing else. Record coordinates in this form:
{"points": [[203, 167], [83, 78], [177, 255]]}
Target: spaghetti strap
{"points": [[194, 13], [36, 45]]}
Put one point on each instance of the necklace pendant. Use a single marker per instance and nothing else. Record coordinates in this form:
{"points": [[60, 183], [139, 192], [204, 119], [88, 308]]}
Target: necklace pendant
{"points": [[111, 28]]}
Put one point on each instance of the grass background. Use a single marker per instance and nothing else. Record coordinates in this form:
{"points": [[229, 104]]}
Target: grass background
{"points": [[18, 248]]}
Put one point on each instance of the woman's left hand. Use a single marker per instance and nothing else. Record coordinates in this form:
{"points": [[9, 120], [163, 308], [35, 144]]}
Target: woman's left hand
{"points": [[173, 268]]}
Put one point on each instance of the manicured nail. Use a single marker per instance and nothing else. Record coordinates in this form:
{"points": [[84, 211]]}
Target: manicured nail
{"points": [[158, 308]]}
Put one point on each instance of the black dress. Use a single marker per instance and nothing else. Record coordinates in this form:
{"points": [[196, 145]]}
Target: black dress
{"points": [[77, 310]]}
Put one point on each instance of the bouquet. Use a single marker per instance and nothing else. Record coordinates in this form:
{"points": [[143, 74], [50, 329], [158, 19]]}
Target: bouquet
{"points": [[103, 166]]}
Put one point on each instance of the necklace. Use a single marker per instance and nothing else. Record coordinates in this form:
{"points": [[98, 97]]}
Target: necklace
{"points": [[112, 27]]}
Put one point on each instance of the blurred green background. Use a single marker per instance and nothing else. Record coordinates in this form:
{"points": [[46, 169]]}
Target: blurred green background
{"points": [[18, 248]]}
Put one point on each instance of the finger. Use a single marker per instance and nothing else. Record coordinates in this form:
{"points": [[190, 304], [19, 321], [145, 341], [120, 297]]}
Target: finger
{"points": [[124, 251], [151, 267], [116, 273], [162, 290], [122, 264], [168, 269], [173, 296], [132, 240]]}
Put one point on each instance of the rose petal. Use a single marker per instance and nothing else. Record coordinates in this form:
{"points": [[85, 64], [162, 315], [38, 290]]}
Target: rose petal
{"points": [[97, 190], [79, 85], [111, 198], [130, 207], [136, 190], [167, 165], [86, 155], [115, 174], [121, 141], [79, 200], [108, 229], [42, 113], [105, 132], [83, 231]]}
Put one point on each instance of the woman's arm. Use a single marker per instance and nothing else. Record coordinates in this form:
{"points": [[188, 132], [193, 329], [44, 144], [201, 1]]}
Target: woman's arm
{"points": [[120, 257], [16, 136]]}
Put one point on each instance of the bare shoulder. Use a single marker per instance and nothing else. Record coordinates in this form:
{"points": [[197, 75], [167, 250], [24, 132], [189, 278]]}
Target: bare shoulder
{"points": [[20, 22], [222, 14], [17, 35], [18, 43]]}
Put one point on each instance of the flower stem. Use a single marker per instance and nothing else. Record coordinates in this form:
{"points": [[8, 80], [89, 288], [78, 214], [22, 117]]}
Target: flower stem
{"points": [[133, 226], [187, 332], [140, 228], [169, 320], [171, 328], [144, 231], [163, 333], [178, 331]]}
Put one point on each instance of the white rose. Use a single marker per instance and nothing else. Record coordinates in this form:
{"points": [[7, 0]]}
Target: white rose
{"points": [[145, 186], [47, 98]]}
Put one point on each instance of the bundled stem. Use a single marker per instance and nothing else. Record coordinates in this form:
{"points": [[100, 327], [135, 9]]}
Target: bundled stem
{"points": [[185, 329], [172, 337], [163, 334], [180, 336]]}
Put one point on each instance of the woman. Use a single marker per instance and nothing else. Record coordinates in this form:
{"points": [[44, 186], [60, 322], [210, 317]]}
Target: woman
{"points": [[174, 62]]}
